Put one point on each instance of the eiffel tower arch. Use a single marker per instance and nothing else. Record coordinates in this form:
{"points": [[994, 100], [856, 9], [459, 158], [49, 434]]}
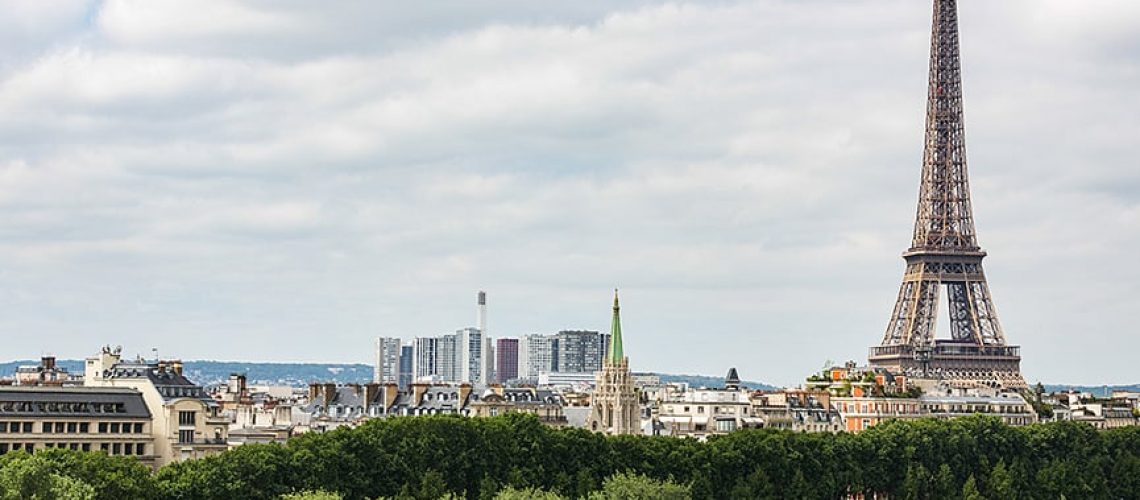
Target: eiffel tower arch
{"points": [[944, 257]]}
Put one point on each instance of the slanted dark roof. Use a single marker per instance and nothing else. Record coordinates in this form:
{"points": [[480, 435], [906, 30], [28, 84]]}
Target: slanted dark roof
{"points": [[732, 378], [72, 402], [170, 384]]}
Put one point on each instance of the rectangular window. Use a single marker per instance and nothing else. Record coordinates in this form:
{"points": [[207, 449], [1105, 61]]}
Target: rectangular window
{"points": [[102, 427], [186, 436], [128, 448], [116, 448], [59, 427], [29, 447], [104, 446], [114, 428], [138, 428], [73, 446], [185, 418], [72, 427], [140, 449], [85, 427], [28, 428], [46, 428], [3, 447], [86, 446]]}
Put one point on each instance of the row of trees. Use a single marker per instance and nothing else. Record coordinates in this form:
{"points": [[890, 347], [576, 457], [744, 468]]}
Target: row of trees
{"points": [[433, 457]]}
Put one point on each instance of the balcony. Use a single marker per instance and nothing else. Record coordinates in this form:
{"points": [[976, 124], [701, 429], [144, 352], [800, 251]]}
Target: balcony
{"points": [[945, 350]]}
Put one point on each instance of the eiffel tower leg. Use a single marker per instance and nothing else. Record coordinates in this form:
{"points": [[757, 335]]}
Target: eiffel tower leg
{"points": [[961, 314], [989, 329]]}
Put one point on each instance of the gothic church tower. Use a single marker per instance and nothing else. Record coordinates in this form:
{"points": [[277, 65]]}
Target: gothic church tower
{"points": [[613, 406]]}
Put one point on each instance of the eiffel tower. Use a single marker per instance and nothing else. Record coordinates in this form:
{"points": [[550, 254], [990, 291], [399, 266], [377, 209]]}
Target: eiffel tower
{"points": [[945, 251]]}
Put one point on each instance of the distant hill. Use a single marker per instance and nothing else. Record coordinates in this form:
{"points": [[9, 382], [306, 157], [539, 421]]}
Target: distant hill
{"points": [[300, 374], [708, 381], [9, 369], [1096, 390], [213, 372]]}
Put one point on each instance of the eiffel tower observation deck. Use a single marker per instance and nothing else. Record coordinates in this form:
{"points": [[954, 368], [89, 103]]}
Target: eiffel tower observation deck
{"points": [[944, 254]]}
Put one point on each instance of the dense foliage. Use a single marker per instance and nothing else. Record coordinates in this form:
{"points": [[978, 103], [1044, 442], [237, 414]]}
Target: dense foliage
{"points": [[516, 456]]}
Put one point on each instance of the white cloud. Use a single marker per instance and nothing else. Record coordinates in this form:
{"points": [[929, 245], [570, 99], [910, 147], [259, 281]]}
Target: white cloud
{"points": [[283, 181]]}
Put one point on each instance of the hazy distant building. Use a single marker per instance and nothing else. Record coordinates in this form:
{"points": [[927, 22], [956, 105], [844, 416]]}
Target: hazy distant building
{"points": [[537, 354], [45, 373], [387, 369], [579, 351], [486, 349], [458, 357], [407, 361], [447, 358], [506, 359], [424, 362], [472, 349]]}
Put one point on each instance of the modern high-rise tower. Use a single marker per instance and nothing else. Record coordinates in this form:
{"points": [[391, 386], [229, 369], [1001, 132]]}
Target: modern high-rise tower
{"points": [[506, 360], [387, 369], [944, 254]]}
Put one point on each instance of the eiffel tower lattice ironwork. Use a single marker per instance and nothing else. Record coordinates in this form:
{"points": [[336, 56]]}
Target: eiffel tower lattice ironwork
{"points": [[944, 253]]}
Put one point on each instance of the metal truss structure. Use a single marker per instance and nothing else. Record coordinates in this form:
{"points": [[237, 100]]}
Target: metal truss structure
{"points": [[944, 253]]}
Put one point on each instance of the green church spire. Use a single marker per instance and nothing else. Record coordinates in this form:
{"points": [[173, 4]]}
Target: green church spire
{"points": [[615, 354]]}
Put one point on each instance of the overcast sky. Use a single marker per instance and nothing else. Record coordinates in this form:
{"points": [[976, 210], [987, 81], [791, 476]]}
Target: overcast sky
{"points": [[285, 180]]}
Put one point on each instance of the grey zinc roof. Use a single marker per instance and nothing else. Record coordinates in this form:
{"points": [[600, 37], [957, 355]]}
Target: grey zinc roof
{"points": [[170, 385], [532, 396], [71, 402], [442, 398]]}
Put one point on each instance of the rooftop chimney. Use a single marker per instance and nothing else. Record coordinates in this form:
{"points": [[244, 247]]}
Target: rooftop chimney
{"points": [[464, 391], [391, 392], [418, 390]]}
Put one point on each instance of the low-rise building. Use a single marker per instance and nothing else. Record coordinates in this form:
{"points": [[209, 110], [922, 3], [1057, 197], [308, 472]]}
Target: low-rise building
{"points": [[797, 410], [112, 420], [330, 406], [704, 412], [46, 373], [186, 423], [1010, 407], [862, 413], [547, 405]]}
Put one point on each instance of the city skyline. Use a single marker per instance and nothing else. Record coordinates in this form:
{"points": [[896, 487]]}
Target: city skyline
{"points": [[290, 185]]}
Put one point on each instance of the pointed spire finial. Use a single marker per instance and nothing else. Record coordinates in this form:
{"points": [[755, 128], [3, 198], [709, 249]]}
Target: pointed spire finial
{"points": [[615, 353]]}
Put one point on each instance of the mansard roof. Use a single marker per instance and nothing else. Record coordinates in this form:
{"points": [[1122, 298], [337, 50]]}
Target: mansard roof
{"points": [[72, 402], [170, 384]]}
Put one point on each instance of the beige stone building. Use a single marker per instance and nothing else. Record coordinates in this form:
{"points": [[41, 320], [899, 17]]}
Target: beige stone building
{"points": [[186, 423], [113, 420], [614, 405], [545, 404]]}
